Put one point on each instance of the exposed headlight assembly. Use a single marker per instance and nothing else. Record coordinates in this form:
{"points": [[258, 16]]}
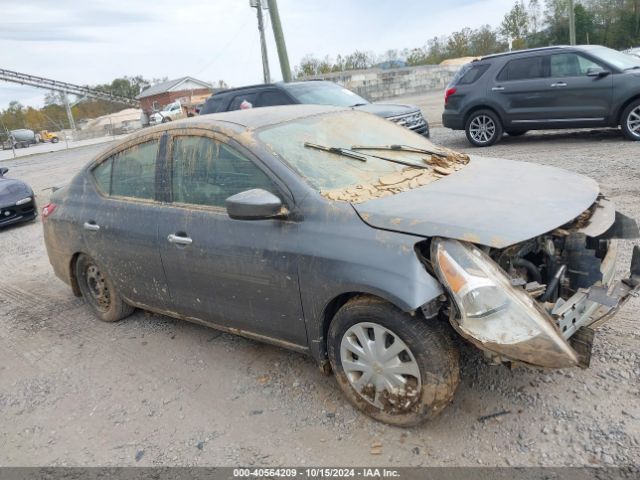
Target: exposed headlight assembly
{"points": [[492, 313], [22, 201]]}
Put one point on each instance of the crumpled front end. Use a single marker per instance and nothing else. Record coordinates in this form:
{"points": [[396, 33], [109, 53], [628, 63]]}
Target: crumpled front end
{"points": [[539, 302]]}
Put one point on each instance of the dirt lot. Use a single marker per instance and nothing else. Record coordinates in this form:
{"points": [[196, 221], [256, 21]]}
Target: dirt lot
{"points": [[153, 391]]}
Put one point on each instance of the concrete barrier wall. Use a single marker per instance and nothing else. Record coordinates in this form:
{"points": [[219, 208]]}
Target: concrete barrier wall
{"points": [[377, 84]]}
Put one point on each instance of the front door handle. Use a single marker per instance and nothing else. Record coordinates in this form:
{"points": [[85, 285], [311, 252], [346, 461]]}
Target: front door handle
{"points": [[497, 89], [559, 84], [180, 240], [91, 226]]}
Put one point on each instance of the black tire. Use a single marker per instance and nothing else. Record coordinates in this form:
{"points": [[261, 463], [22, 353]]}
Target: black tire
{"points": [[516, 133], [166, 119], [429, 345], [630, 119], [54, 140], [475, 123], [98, 291]]}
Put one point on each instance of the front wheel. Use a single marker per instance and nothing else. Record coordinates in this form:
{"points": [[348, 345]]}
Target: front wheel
{"points": [[483, 128], [398, 369], [630, 121], [98, 291], [54, 140]]}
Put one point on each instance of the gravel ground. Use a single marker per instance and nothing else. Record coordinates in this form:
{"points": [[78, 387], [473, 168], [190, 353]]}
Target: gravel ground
{"points": [[156, 391]]}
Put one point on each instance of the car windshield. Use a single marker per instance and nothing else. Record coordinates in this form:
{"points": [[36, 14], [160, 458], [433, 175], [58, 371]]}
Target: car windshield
{"points": [[341, 177], [324, 93], [623, 61]]}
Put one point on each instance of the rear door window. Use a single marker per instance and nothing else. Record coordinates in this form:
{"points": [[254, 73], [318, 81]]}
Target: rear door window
{"points": [[102, 174], [133, 171], [523, 69], [271, 98]]}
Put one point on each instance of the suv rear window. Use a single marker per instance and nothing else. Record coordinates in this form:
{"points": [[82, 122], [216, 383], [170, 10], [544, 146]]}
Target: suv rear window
{"points": [[272, 97], [523, 69], [471, 75]]}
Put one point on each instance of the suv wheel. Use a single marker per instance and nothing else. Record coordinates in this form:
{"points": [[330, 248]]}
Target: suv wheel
{"points": [[398, 369], [483, 128], [630, 121]]}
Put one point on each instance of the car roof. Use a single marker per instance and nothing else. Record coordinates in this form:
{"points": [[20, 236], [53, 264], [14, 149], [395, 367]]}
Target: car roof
{"points": [[249, 119], [261, 86], [537, 50]]}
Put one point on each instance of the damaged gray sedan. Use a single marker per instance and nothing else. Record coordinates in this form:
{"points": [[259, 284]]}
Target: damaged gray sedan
{"points": [[341, 235]]}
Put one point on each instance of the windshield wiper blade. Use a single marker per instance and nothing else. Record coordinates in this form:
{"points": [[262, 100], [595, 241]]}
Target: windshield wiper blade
{"points": [[400, 148], [361, 156], [345, 152], [632, 68]]}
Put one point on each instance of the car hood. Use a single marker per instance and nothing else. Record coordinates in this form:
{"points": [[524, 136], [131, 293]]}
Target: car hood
{"points": [[12, 190], [490, 202], [388, 109]]}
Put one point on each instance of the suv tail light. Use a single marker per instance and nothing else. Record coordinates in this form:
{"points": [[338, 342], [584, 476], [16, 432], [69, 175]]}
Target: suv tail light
{"points": [[48, 209], [448, 93]]}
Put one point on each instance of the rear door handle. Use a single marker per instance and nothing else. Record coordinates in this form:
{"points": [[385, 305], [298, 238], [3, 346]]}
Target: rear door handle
{"points": [[180, 240], [497, 89], [559, 84], [91, 226]]}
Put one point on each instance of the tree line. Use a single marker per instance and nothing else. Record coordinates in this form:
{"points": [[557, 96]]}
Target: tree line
{"points": [[529, 24]]}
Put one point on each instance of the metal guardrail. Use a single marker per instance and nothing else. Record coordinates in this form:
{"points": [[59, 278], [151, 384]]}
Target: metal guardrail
{"points": [[55, 85]]}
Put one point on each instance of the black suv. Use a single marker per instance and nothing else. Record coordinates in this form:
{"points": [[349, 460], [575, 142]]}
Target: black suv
{"points": [[544, 88], [313, 92]]}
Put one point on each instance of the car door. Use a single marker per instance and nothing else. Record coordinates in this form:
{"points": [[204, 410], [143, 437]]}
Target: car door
{"points": [[241, 274], [120, 222], [573, 97], [519, 88]]}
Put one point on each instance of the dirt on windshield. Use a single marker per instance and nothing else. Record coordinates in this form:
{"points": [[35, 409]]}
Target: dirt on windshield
{"points": [[438, 166]]}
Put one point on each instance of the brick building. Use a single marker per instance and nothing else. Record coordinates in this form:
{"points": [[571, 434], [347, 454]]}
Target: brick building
{"points": [[184, 88]]}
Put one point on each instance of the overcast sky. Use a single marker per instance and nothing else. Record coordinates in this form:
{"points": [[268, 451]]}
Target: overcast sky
{"points": [[95, 41]]}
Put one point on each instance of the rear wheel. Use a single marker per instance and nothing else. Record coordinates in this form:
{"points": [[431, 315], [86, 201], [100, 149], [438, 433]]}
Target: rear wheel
{"points": [[54, 140], [98, 291], [483, 128], [396, 368], [630, 121]]}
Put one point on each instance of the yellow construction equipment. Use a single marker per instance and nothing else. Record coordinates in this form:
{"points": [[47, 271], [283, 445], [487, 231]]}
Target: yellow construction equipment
{"points": [[46, 136]]}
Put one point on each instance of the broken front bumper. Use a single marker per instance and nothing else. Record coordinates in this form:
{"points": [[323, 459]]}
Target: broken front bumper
{"points": [[588, 308]]}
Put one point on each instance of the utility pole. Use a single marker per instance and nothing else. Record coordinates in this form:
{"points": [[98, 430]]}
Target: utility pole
{"points": [[279, 37], [257, 4], [72, 124], [572, 23]]}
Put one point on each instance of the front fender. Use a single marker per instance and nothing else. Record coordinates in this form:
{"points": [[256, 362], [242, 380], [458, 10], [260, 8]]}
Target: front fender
{"points": [[358, 259]]}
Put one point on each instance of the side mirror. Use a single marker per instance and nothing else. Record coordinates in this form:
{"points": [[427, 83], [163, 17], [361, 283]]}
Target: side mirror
{"points": [[3, 171], [255, 204], [597, 72]]}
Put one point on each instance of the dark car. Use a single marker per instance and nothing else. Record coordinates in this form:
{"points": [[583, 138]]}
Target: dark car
{"points": [[17, 202], [314, 92], [545, 88], [340, 235]]}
